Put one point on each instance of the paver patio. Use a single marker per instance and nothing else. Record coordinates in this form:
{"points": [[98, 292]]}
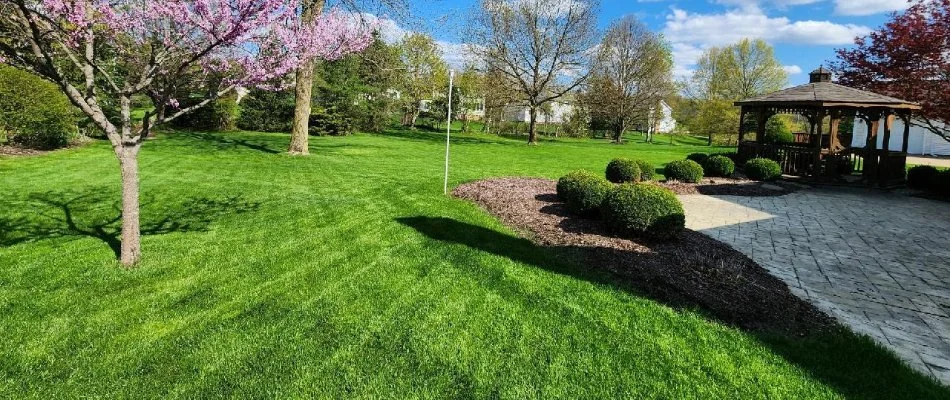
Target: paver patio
{"points": [[877, 262]]}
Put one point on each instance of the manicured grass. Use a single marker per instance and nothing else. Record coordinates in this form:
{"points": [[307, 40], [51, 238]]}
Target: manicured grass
{"points": [[349, 274]]}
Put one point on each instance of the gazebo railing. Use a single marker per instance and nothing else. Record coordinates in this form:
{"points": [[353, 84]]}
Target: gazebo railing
{"points": [[795, 159]]}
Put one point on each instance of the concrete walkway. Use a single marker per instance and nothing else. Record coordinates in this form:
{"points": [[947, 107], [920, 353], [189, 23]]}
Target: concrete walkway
{"points": [[878, 262]]}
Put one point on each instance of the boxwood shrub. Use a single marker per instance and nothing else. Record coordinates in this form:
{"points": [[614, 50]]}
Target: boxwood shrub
{"points": [[919, 177], [33, 112], [940, 183], [763, 169], [645, 211], [700, 158], [646, 170], [720, 166], [684, 171], [623, 170], [583, 192]]}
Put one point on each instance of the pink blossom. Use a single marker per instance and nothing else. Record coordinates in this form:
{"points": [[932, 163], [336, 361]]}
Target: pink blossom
{"points": [[252, 42]]}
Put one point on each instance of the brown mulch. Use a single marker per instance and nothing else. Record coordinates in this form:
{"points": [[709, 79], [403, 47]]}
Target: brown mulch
{"points": [[694, 271], [731, 187], [19, 151]]}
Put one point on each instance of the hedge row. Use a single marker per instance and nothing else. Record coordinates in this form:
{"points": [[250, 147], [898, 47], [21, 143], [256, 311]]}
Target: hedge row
{"points": [[33, 112], [631, 209], [930, 179]]}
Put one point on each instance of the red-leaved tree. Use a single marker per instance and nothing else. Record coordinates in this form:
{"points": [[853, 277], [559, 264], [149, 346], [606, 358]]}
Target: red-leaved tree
{"points": [[102, 52], [908, 58]]}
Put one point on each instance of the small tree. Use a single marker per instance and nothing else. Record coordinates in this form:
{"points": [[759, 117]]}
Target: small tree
{"points": [[540, 47], [423, 74], [632, 73], [107, 51], [908, 58], [728, 74]]}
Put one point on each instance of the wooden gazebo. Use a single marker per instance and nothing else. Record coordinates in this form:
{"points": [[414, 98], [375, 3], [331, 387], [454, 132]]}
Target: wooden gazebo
{"points": [[824, 155]]}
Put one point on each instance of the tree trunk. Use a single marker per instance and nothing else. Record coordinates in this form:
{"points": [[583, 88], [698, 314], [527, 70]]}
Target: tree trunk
{"points": [[300, 136], [533, 126], [131, 250]]}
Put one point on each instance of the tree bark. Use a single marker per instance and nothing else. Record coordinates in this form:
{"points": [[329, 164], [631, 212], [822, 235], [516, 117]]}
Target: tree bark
{"points": [[533, 125], [131, 250], [300, 136]]}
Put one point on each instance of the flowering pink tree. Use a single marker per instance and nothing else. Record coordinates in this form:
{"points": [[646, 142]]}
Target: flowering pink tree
{"points": [[107, 51]]}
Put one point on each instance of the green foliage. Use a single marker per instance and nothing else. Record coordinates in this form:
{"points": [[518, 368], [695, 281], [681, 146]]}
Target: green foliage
{"points": [[777, 131], [220, 115], [623, 170], [33, 112], [763, 169], [647, 171], [940, 183], [919, 177], [583, 192], [329, 121], [684, 171], [719, 166], [644, 210], [267, 111], [699, 158]]}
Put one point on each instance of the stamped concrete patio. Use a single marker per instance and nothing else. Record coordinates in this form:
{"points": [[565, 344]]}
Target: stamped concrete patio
{"points": [[878, 262]]}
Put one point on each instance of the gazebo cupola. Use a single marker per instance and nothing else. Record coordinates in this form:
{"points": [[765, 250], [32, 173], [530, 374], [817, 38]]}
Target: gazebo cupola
{"points": [[823, 154], [820, 75]]}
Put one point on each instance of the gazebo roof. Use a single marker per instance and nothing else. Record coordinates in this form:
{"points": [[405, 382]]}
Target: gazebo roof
{"points": [[822, 93]]}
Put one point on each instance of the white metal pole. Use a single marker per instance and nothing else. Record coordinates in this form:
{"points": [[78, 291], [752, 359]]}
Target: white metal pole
{"points": [[448, 134]]}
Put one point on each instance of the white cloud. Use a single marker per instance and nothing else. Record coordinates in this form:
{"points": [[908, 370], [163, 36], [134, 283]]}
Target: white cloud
{"points": [[868, 7], [792, 69], [690, 34]]}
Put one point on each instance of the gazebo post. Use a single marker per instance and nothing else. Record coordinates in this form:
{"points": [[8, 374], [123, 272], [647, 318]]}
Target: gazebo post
{"points": [[742, 113], [871, 165], [905, 117], [834, 125], [762, 118], [817, 127]]}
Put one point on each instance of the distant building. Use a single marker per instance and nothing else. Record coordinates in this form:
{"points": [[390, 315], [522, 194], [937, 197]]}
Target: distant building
{"points": [[920, 142], [553, 113], [662, 119]]}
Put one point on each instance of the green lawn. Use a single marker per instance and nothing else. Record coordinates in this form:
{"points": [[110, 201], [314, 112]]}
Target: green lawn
{"points": [[349, 274]]}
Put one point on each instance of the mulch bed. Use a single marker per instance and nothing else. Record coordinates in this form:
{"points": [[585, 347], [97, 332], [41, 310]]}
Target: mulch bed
{"points": [[731, 187], [694, 271], [19, 151]]}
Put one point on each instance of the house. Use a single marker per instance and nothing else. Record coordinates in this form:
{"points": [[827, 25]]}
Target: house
{"points": [[662, 121], [554, 112], [920, 142]]}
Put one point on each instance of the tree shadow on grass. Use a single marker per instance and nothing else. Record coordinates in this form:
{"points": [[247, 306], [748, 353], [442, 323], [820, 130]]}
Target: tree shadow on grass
{"points": [[97, 214], [223, 141], [854, 365]]}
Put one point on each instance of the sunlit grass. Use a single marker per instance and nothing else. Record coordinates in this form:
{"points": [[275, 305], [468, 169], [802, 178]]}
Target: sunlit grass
{"points": [[266, 275]]}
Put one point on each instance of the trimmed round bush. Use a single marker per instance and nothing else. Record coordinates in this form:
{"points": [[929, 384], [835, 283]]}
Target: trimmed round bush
{"points": [[646, 170], [699, 158], [33, 112], [720, 166], [919, 177], [583, 192], [940, 184], [763, 169], [623, 170], [684, 171], [645, 211]]}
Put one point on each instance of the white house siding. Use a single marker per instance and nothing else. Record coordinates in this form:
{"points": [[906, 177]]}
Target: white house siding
{"points": [[560, 112], [921, 141], [666, 124]]}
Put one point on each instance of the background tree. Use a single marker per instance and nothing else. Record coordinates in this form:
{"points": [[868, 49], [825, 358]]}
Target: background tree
{"points": [[109, 51], [540, 47], [471, 93], [631, 74], [424, 72], [908, 58], [728, 74]]}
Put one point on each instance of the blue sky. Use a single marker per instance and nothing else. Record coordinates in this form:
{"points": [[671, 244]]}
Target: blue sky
{"points": [[805, 33]]}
